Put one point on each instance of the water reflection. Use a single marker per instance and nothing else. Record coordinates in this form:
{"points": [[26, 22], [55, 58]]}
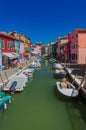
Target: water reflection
{"points": [[75, 109]]}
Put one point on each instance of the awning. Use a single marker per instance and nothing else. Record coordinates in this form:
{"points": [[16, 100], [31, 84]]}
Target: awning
{"points": [[15, 54], [9, 55]]}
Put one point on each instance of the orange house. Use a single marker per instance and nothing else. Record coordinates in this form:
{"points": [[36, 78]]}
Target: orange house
{"points": [[27, 47]]}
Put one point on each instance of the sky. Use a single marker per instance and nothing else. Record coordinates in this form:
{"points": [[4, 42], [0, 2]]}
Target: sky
{"points": [[42, 20]]}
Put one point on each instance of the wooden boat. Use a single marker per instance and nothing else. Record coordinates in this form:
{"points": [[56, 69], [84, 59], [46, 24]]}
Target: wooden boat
{"points": [[4, 101], [1, 106], [51, 60], [28, 74], [57, 66], [35, 64], [60, 73], [68, 92]]}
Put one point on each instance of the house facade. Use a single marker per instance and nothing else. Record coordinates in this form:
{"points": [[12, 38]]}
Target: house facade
{"points": [[62, 49], [69, 47], [0, 57], [8, 48], [15, 49], [78, 46], [37, 49]]}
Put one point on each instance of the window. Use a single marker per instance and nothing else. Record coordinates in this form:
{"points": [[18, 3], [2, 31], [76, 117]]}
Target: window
{"points": [[76, 35], [2, 44], [11, 45], [26, 49], [77, 45], [32, 49], [73, 56]]}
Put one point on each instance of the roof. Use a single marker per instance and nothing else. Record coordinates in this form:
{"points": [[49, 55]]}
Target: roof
{"points": [[65, 37], [6, 35], [81, 30]]}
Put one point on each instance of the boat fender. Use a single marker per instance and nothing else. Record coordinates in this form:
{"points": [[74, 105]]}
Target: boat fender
{"points": [[5, 106], [10, 101]]}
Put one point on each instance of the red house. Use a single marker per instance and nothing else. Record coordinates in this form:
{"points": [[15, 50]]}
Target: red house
{"points": [[8, 47]]}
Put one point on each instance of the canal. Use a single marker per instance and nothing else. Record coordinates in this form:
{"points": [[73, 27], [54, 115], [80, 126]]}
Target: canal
{"points": [[41, 107]]}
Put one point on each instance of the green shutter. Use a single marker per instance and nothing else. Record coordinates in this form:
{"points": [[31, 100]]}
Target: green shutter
{"points": [[2, 44]]}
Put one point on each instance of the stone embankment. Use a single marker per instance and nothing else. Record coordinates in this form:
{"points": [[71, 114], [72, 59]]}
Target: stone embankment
{"points": [[8, 74], [77, 73]]}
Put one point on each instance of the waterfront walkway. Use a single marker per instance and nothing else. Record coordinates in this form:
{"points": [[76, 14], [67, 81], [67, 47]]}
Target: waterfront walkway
{"points": [[8, 74]]}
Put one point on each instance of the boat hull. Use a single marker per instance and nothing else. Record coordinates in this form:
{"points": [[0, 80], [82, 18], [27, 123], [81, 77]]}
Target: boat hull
{"points": [[68, 92], [59, 75]]}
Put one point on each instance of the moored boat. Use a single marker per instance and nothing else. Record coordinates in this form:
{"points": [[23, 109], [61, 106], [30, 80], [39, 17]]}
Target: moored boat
{"points": [[28, 74], [20, 79], [4, 101], [60, 73], [51, 60], [68, 92], [1, 106], [57, 66]]}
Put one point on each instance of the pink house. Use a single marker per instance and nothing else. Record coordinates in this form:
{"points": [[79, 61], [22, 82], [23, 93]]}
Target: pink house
{"points": [[78, 46], [36, 49], [69, 47]]}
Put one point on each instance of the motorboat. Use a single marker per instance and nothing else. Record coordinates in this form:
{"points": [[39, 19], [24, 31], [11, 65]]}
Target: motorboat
{"points": [[57, 66], [20, 79], [35, 64], [28, 74], [4, 101], [60, 73], [52, 60]]}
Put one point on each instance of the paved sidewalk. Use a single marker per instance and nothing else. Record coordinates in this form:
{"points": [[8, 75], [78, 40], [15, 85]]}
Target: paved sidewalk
{"points": [[8, 74]]}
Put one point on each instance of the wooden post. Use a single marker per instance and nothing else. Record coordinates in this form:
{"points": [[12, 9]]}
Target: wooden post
{"points": [[6, 76], [74, 79], [1, 79], [81, 83]]}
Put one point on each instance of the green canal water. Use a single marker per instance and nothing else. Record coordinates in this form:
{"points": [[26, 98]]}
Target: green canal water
{"points": [[41, 107]]}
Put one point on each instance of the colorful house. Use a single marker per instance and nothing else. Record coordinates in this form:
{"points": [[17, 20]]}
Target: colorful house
{"points": [[46, 51], [0, 57], [54, 54], [8, 48], [69, 47], [78, 46], [50, 49], [21, 52], [26, 45], [37, 49], [17, 46], [62, 49]]}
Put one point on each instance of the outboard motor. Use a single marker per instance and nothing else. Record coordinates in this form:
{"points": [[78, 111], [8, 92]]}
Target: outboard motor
{"points": [[13, 85]]}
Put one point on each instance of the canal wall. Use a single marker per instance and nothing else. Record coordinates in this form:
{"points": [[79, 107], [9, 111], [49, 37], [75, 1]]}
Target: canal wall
{"points": [[76, 73], [8, 74]]}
